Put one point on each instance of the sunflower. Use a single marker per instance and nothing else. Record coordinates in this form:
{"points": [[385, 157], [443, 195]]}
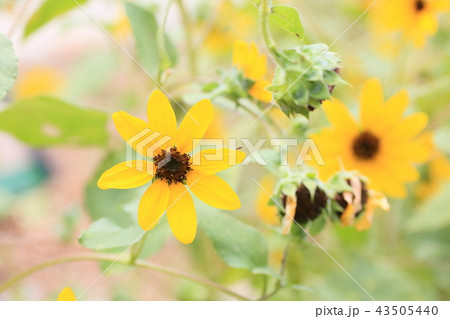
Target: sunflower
{"points": [[66, 294], [384, 146], [246, 58], [38, 81], [416, 19], [171, 168], [436, 174]]}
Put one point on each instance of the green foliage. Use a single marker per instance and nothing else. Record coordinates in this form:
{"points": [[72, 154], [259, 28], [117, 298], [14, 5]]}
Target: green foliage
{"points": [[44, 121], [8, 66], [238, 244], [304, 78], [145, 29], [433, 215], [48, 10], [288, 18]]}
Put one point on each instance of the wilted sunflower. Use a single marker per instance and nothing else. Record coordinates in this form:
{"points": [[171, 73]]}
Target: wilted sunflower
{"points": [[66, 294], [171, 167], [246, 58], [384, 146], [416, 19]]}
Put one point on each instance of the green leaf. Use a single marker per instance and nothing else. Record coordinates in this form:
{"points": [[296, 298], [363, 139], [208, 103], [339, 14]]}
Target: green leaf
{"points": [[108, 203], [288, 18], [433, 215], [8, 66], [145, 29], [104, 234], [238, 244], [47, 11], [44, 121]]}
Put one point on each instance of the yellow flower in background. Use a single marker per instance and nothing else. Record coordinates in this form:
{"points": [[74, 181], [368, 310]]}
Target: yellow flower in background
{"points": [[66, 294], [415, 19], [268, 214], [222, 34], [172, 167], [246, 58], [438, 172], [37, 81], [384, 146]]}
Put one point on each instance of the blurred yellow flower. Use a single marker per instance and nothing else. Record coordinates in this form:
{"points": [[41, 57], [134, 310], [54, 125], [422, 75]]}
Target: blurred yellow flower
{"points": [[223, 33], [37, 81], [172, 168], [268, 214], [438, 172], [415, 19], [384, 146], [66, 294], [246, 58]]}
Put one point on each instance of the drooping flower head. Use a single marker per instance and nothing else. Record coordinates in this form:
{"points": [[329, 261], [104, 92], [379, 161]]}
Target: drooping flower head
{"points": [[246, 58], [384, 146], [415, 19], [173, 170]]}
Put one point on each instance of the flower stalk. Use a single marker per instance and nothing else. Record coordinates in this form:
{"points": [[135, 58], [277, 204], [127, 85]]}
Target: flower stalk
{"points": [[264, 12]]}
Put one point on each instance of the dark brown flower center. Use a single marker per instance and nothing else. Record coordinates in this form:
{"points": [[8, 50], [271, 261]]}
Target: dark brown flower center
{"points": [[366, 146], [172, 166], [420, 5], [307, 208]]}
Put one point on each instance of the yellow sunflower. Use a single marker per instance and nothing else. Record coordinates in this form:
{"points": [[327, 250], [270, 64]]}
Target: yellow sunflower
{"points": [[171, 167], [37, 81], [66, 294], [384, 146], [416, 19], [246, 58]]}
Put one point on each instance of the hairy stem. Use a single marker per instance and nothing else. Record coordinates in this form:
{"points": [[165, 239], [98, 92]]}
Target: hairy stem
{"points": [[138, 263], [264, 12]]}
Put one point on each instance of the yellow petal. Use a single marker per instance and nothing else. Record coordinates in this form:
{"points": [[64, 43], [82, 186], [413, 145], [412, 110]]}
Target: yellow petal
{"points": [[153, 204], [411, 126], [66, 294], [213, 190], [259, 92], [126, 175], [161, 117], [339, 116], [252, 55], [132, 129], [194, 126], [212, 161], [371, 104], [257, 68], [397, 105], [240, 51], [181, 214]]}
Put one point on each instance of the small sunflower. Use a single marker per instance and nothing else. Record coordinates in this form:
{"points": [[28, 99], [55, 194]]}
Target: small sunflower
{"points": [[38, 81], [246, 58], [171, 167], [66, 294], [384, 146], [416, 19]]}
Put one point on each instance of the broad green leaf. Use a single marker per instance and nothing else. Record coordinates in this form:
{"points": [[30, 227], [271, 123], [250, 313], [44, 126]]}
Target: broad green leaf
{"points": [[8, 66], [145, 29], [288, 18], [238, 244], [109, 203], [433, 215], [48, 10], [44, 121]]}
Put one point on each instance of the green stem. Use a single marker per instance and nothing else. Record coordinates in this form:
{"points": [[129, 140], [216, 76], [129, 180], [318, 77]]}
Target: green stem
{"points": [[164, 60], [264, 12], [136, 249], [137, 263], [189, 38]]}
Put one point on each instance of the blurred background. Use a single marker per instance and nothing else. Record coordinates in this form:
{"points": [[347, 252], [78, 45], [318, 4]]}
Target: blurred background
{"points": [[48, 192]]}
